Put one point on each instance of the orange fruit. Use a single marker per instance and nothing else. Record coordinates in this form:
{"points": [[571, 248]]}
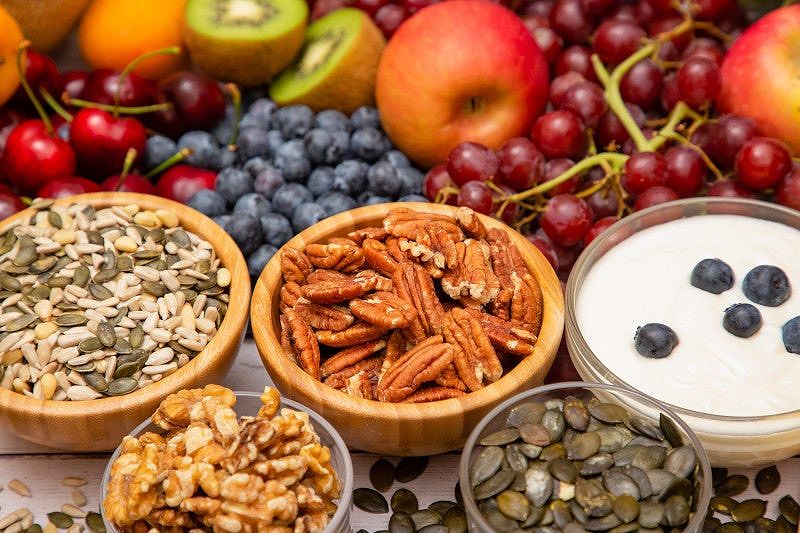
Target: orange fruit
{"points": [[114, 32], [10, 37]]}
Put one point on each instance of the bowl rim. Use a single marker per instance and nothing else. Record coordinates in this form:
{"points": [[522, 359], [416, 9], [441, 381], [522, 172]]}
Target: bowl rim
{"points": [[553, 317], [471, 508], [346, 478], [572, 330], [230, 331]]}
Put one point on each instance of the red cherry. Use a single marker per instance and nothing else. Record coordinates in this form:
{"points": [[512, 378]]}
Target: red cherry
{"points": [[73, 82], [435, 179], [788, 190], [32, 157], [470, 161], [197, 101], [131, 183], [545, 247], [102, 140], [67, 186], [762, 161], [389, 17], [597, 228], [101, 87], [521, 164], [566, 219], [477, 196], [643, 171], [41, 73], [180, 182], [654, 196], [730, 189]]}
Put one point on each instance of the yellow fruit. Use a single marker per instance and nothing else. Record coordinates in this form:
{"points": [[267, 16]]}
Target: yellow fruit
{"points": [[114, 32], [45, 22], [10, 37]]}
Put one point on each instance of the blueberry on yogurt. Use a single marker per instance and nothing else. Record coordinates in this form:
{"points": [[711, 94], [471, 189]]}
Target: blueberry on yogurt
{"points": [[742, 320], [655, 340], [791, 335], [767, 285], [712, 275]]}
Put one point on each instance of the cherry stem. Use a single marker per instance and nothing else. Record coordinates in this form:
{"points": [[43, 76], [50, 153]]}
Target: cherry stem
{"points": [[53, 103], [173, 50], [27, 200], [236, 100], [174, 159], [130, 157], [115, 109], [48, 125]]}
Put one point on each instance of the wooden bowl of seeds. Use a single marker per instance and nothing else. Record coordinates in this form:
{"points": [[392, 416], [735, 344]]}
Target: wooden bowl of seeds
{"points": [[109, 302], [375, 414]]}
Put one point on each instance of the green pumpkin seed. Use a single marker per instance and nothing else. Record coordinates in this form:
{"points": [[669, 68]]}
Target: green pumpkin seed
{"points": [[789, 509], [596, 464], [370, 501], [136, 336], [639, 477], [723, 504], [455, 520], [59, 281], [553, 420], [539, 484], [9, 282], [42, 292], [106, 275], [100, 292], [156, 235], [649, 457], [681, 461], [42, 265], [494, 485], [7, 243], [783, 526], [25, 256], [583, 446], [381, 474], [401, 523], [89, 345], [535, 434], [54, 219], [180, 348], [626, 507], [679, 487], [610, 413], [146, 254], [561, 513], [95, 522], [71, 320], [155, 288], [733, 485], [410, 468], [81, 276], [60, 520], [20, 323], [34, 528], [563, 470], [730, 527], [768, 479], [603, 524], [749, 510], [576, 414], [94, 237], [433, 528], [96, 381], [180, 238], [124, 263], [425, 517], [441, 506], [618, 484], [106, 334], [501, 437], [672, 434], [515, 458], [403, 500], [553, 451], [711, 524], [122, 385], [85, 367], [676, 511], [126, 370], [122, 347], [650, 514], [525, 413]]}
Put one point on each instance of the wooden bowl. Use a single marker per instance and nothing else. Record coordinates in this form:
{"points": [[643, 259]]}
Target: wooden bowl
{"points": [[97, 425], [397, 428]]}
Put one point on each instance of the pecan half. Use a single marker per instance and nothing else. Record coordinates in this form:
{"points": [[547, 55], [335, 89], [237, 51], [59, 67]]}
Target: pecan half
{"points": [[290, 293], [526, 301], [384, 309], [303, 342], [394, 251], [333, 292], [372, 281], [395, 346], [377, 256], [295, 265], [341, 256], [505, 335], [473, 277], [421, 364], [351, 356], [434, 236], [355, 334], [433, 394], [470, 223], [414, 285], [363, 234], [323, 316], [323, 274], [449, 379], [474, 356], [370, 367]]}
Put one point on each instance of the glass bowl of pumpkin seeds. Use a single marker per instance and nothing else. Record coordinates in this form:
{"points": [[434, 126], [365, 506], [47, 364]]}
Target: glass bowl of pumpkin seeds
{"points": [[574, 457]]}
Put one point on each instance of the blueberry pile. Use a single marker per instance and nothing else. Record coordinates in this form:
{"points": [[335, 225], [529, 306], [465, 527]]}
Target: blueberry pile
{"points": [[291, 169]]}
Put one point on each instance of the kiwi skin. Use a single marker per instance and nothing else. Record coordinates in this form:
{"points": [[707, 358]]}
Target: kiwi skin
{"points": [[246, 63], [352, 83]]}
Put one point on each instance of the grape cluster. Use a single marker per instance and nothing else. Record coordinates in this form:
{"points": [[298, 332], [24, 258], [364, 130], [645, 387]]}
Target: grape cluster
{"points": [[630, 123], [291, 168], [386, 14]]}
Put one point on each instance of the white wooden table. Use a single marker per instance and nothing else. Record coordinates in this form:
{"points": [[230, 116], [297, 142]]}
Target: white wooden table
{"points": [[42, 469]]}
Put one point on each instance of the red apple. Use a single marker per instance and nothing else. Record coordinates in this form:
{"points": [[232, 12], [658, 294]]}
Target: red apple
{"points": [[759, 76], [459, 71]]}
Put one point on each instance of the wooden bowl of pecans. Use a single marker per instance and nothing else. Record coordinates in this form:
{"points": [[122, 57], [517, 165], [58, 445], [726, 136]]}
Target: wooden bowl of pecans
{"points": [[109, 302], [404, 324]]}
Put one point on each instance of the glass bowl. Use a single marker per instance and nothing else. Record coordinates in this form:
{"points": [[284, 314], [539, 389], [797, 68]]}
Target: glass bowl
{"points": [[632, 400], [728, 440], [248, 403]]}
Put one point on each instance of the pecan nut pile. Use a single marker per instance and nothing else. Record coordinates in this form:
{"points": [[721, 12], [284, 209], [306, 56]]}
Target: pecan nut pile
{"points": [[212, 471], [425, 308]]}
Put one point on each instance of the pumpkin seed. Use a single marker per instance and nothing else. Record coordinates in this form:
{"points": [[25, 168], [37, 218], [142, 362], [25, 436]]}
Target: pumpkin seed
{"points": [[106, 334], [610, 413], [723, 504], [370, 501], [626, 507], [71, 319], [733, 485], [676, 511], [575, 413], [425, 517], [596, 464], [494, 485], [42, 292], [60, 520], [441, 506], [681, 461], [501, 437], [486, 464], [34, 528], [106, 275], [563, 470], [99, 292], [711, 524], [122, 346], [401, 523], [561, 513], [730, 527], [410, 468], [645, 427], [603, 524], [96, 381], [20, 323], [155, 288], [516, 460], [639, 477], [766, 524], [613, 438], [122, 385], [42, 265], [59, 281], [768, 479], [456, 520], [789, 509], [618, 484], [9, 282], [680, 487], [95, 522], [649, 457], [650, 514], [783, 526], [81, 276], [25, 256], [136, 336], [539, 485], [660, 480], [403, 500], [54, 219], [553, 451], [8, 242], [553, 421], [180, 238], [381, 474], [671, 432], [749, 510], [583, 446], [535, 434], [525, 413]]}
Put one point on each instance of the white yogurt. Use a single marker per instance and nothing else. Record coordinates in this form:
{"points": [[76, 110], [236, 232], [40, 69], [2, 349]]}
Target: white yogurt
{"points": [[646, 279]]}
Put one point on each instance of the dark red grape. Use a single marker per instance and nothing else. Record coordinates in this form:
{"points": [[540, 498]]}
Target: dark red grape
{"points": [[548, 42], [714, 9], [389, 17], [705, 138], [597, 228], [730, 133], [730, 189], [521, 164], [566, 219], [559, 134], [546, 248], [616, 39], [470, 161], [539, 8], [511, 211], [611, 129], [762, 161], [412, 6], [654, 196], [561, 84], [629, 147], [644, 170], [661, 6], [668, 52], [570, 21], [596, 7], [699, 81], [642, 84], [643, 11], [664, 24], [567, 255], [670, 95], [587, 101], [477, 196], [370, 7], [553, 169], [787, 191], [576, 58], [704, 47], [623, 12], [435, 179], [687, 171], [604, 203]]}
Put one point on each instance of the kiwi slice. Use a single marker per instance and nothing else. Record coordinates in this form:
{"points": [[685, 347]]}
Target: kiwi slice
{"points": [[244, 41], [338, 64]]}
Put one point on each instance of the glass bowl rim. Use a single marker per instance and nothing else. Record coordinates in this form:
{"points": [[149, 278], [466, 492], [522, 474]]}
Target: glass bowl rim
{"points": [[583, 263], [345, 478], [471, 509]]}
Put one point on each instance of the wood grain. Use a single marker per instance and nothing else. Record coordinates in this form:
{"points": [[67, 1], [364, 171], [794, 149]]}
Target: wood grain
{"points": [[400, 429], [100, 424]]}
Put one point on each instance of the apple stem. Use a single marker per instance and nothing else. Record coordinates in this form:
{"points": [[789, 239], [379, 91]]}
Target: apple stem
{"points": [[173, 50], [48, 125], [130, 157], [116, 109], [53, 103], [236, 100], [174, 159]]}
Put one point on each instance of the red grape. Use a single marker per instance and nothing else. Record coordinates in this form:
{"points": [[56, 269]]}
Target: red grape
{"points": [[370, 7], [389, 17], [549, 43], [595, 7], [762, 161], [661, 6], [587, 101], [643, 171], [611, 129], [470, 161], [553, 169], [521, 164], [643, 11], [687, 171], [578, 59], [567, 255], [668, 52], [730, 133], [642, 84], [561, 84], [705, 137], [670, 95], [546, 248], [570, 21], [730, 189], [597, 228], [511, 211], [616, 39], [788, 190], [662, 25], [477, 196], [714, 9], [654, 196], [435, 179], [559, 134], [412, 6], [699, 81], [604, 203], [539, 8], [566, 219], [704, 47]]}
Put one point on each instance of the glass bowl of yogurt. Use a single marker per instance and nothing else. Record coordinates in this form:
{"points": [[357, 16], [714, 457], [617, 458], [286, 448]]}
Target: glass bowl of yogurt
{"points": [[741, 396]]}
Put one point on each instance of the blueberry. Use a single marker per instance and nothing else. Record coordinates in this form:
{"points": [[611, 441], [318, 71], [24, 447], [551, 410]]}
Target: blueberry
{"points": [[245, 229], [158, 150], [306, 215], [222, 158], [275, 139], [233, 183], [252, 143], [208, 202], [767, 285], [350, 177], [365, 116], [257, 260], [410, 181], [396, 158], [332, 120], [335, 202], [253, 204], [263, 109], [320, 180], [324, 148], [655, 340], [222, 220], [256, 165], [276, 229], [268, 181], [712, 275], [368, 143], [382, 179], [292, 160], [202, 144], [791, 335], [294, 121], [289, 196], [374, 199], [742, 320], [222, 131], [412, 198]]}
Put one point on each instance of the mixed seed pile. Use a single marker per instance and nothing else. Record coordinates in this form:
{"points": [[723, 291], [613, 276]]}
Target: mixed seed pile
{"points": [[101, 303], [579, 464]]}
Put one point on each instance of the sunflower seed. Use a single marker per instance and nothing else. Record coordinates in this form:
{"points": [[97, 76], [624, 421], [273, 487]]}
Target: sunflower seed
{"points": [[19, 488]]}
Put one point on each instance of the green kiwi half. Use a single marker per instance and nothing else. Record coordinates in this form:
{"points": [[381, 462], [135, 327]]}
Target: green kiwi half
{"points": [[338, 64], [244, 41]]}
